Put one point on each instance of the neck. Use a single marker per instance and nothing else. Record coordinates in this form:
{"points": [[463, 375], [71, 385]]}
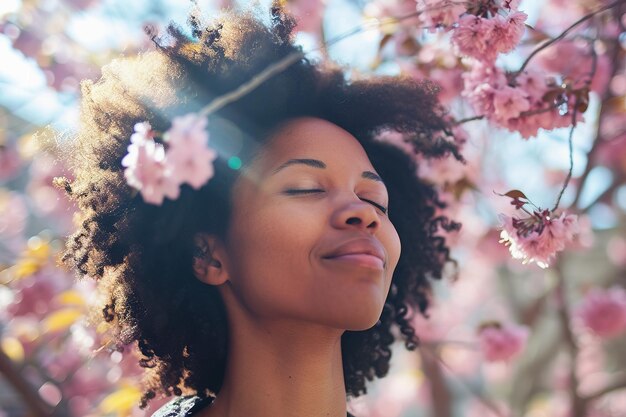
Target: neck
{"points": [[281, 368]]}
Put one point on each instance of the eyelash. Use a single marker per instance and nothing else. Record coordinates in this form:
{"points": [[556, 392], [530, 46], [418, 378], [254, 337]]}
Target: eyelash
{"points": [[375, 204]]}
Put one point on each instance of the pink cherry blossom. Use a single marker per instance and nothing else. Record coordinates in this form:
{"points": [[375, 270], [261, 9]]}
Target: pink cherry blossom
{"points": [[483, 39], [481, 83], [439, 13], [604, 311], [483, 73], [509, 102], [501, 342], [507, 31], [533, 82], [439, 64], [529, 125], [520, 108], [146, 168], [189, 154], [539, 237], [472, 37], [578, 65]]}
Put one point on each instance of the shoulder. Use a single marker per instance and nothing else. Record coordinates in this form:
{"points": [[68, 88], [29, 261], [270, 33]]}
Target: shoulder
{"points": [[182, 406]]}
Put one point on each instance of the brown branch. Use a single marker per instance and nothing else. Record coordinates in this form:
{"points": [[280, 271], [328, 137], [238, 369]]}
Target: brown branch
{"points": [[588, 168], [566, 31], [441, 398], [522, 114], [615, 385], [577, 404], [479, 396], [608, 95], [36, 406], [468, 119]]}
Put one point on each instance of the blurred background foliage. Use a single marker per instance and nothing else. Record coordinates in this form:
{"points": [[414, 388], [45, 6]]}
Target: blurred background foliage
{"points": [[55, 358]]}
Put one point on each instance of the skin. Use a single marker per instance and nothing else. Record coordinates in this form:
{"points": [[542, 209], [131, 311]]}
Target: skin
{"points": [[287, 305]]}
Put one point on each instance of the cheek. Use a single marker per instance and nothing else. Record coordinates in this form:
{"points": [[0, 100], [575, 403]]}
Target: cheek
{"points": [[271, 250], [393, 246]]}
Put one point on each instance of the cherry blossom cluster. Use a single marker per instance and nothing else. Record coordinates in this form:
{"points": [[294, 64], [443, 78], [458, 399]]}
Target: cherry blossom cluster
{"points": [[539, 235], [531, 101], [603, 311], [158, 172], [499, 342], [481, 29]]}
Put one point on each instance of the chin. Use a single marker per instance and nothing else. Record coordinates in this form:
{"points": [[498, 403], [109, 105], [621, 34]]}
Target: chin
{"points": [[360, 323]]}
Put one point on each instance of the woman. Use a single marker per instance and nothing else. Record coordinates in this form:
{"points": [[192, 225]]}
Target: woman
{"points": [[275, 288]]}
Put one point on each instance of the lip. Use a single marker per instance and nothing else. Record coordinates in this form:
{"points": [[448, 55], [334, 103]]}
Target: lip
{"points": [[366, 252]]}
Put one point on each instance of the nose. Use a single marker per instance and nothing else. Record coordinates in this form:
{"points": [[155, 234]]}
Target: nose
{"points": [[356, 214]]}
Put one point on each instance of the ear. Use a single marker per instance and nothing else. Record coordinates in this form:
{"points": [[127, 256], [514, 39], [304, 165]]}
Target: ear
{"points": [[210, 259]]}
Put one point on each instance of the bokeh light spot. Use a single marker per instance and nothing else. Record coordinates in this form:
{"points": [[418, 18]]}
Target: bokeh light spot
{"points": [[234, 162]]}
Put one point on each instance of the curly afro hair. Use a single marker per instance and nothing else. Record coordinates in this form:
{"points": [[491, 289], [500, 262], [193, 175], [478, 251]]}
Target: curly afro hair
{"points": [[142, 254]]}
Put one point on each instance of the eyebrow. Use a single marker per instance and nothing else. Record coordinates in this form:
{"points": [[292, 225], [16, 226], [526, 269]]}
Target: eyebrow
{"points": [[315, 163]]}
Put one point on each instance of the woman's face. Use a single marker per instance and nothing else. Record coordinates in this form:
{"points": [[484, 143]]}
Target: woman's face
{"points": [[306, 235]]}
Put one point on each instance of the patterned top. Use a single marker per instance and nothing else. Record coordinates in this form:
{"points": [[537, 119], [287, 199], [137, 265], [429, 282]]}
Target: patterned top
{"points": [[187, 406]]}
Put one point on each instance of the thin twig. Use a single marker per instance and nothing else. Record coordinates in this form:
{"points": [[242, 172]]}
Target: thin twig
{"points": [[248, 86], [522, 114], [571, 156], [566, 31], [284, 63], [469, 119], [598, 137]]}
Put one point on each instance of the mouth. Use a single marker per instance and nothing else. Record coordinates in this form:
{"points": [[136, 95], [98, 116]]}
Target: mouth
{"points": [[359, 260], [363, 253]]}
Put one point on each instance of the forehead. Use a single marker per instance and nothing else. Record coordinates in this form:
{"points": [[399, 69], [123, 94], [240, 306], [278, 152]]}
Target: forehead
{"points": [[309, 137]]}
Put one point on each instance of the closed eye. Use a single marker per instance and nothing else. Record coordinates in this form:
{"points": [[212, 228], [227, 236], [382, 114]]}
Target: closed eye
{"points": [[317, 190]]}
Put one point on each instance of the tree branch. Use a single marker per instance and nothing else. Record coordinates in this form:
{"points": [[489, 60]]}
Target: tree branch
{"points": [[484, 400], [577, 404], [566, 31], [30, 398], [608, 95], [617, 384], [439, 392]]}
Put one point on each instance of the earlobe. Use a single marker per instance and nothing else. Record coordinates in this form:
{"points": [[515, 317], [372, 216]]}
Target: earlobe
{"points": [[209, 259]]}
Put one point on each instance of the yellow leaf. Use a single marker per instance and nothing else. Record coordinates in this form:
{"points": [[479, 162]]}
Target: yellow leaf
{"points": [[13, 348], [121, 401], [37, 249], [71, 297], [61, 319], [32, 260], [26, 267]]}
